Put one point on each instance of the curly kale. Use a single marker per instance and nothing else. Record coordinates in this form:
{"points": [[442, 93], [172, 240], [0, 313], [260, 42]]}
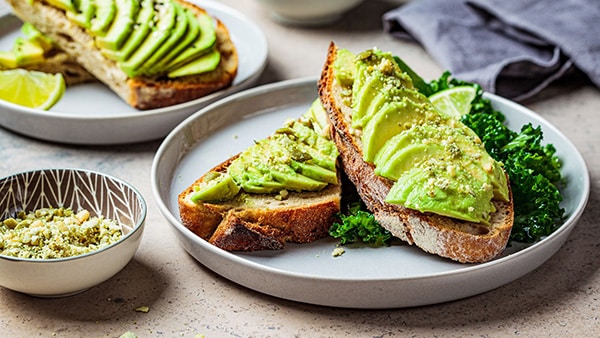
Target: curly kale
{"points": [[533, 168], [357, 224]]}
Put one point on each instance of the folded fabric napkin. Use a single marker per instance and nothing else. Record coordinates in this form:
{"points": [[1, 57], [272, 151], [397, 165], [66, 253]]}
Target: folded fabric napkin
{"points": [[514, 48]]}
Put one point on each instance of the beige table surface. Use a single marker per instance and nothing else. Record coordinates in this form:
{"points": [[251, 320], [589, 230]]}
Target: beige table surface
{"points": [[560, 298]]}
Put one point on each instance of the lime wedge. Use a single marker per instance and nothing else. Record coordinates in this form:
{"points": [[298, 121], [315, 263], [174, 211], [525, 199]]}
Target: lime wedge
{"points": [[454, 102], [31, 88]]}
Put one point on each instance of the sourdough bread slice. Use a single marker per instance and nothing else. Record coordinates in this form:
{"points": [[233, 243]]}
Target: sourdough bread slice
{"points": [[447, 237], [139, 92], [251, 222]]}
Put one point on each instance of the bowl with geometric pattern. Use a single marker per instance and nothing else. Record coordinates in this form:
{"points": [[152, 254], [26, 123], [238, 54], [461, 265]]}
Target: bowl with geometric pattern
{"points": [[63, 231]]}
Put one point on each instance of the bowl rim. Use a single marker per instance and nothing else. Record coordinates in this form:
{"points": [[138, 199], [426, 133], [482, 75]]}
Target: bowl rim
{"points": [[137, 227]]}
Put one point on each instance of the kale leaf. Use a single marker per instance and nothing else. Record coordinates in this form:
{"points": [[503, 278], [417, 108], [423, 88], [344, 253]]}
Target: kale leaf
{"points": [[358, 224]]}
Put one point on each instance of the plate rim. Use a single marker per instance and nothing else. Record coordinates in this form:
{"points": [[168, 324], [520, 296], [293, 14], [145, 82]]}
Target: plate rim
{"points": [[559, 235]]}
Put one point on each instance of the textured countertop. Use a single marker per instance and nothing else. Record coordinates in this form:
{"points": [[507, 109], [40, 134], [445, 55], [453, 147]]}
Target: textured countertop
{"points": [[560, 298]]}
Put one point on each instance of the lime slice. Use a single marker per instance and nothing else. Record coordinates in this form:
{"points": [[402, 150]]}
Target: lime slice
{"points": [[31, 88], [454, 102]]}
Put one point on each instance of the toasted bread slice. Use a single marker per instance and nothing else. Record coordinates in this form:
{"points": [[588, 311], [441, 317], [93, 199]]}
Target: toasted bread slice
{"points": [[447, 237], [260, 221], [139, 92]]}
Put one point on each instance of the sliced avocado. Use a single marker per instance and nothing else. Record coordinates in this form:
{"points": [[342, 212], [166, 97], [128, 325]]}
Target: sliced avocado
{"points": [[176, 36], [285, 162], [105, 14], [475, 149], [203, 44], [416, 145], [409, 157], [344, 67], [253, 179], [475, 158], [315, 172], [65, 5], [216, 188], [426, 191], [394, 144], [306, 153], [360, 119], [439, 165], [308, 146], [121, 27], [141, 28], [317, 114], [34, 35], [391, 147], [377, 78], [8, 60], [458, 166], [296, 181], [84, 14], [267, 187], [393, 118], [205, 63], [160, 33], [253, 169], [316, 140], [364, 92], [257, 181], [27, 52], [191, 35]]}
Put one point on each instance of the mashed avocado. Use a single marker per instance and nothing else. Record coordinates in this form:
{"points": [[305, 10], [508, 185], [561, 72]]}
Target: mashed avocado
{"points": [[438, 164]]}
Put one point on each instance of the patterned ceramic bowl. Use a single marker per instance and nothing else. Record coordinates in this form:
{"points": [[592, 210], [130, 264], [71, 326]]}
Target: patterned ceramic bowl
{"points": [[101, 195]]}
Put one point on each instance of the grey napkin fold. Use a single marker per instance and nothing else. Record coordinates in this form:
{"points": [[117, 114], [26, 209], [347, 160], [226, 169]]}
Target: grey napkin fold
{"points": [[514, 48]]}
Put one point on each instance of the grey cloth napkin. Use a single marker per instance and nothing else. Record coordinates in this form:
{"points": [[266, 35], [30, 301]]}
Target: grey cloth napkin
{"points": [[514, 48]]}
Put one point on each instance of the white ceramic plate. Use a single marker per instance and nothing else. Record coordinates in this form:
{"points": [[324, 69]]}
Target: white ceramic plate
{"points": [[363, 277], [92, 114]]}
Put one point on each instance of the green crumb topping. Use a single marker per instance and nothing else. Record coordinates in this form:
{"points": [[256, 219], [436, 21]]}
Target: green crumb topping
{"points": [[49, 233]]}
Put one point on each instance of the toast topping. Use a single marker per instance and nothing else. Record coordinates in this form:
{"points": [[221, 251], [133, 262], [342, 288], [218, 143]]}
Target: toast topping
{"points": [[297, 157], [438, 164], [216, 187], [149, 38], [27, 50]]}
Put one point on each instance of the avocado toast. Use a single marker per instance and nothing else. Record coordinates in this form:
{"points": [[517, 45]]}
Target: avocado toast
{"points": [[284, 188], [152, 53], [476, 234], [424, 175]]}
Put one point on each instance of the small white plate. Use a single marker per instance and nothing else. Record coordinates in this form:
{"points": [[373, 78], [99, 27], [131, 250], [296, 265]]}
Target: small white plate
{"points": [[92, 114], [363, 277]]}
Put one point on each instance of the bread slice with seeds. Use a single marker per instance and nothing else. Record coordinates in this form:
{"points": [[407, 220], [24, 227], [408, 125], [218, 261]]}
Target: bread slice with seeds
{"points": [[458, 240], [251, 222]]}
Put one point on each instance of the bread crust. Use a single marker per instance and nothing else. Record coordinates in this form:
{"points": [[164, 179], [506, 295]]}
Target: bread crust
{"points": [[458, 240], [260, 221], [139, 92]]}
